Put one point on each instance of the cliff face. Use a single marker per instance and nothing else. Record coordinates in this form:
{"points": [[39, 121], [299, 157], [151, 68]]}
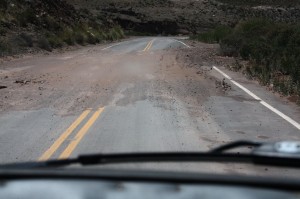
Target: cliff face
{"points": [[185, 17]]}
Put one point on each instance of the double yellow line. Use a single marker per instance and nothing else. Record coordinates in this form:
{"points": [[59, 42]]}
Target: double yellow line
{"points": [[72, 145], [149, 45]]}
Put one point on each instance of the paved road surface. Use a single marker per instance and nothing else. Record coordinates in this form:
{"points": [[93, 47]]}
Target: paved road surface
{"points": [[133, 96]]}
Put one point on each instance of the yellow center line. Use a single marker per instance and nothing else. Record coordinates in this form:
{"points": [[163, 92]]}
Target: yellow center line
{"points": [[149, 45], [64, 136], [70, 148]]}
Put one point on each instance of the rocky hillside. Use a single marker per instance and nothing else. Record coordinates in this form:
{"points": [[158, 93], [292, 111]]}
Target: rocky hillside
{"points": [[31, 25], [188, 16], [274, 3]]}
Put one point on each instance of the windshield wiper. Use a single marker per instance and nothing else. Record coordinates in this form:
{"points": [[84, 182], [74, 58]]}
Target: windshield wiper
{"points": [[286, 154]]}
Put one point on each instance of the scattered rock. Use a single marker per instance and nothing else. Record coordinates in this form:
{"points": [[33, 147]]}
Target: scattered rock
{"points": [[223, 84], [22, 81], [199, 73]]}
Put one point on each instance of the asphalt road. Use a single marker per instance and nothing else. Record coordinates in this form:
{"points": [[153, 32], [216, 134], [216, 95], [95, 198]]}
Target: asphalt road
{"points": [[134, 96]]}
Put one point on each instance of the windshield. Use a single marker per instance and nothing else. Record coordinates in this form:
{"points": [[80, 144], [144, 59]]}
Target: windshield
{"points": [[114, 76]]}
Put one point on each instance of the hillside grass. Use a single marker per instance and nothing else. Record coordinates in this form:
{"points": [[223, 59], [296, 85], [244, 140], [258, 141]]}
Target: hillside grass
{"points": [[5, 47], [23, 25], [81, 35], [213, 36], [273, 50]]}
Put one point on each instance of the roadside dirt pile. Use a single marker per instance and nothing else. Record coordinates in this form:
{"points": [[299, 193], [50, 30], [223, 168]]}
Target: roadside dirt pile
{"points": [[187, 16]]}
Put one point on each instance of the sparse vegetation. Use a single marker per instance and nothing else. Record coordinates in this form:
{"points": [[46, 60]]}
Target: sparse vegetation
{"points": [[67, 36], [115, 33], [25, 40], [91, 38], [44, 44], [79, 38], [5, 47], [3, 4], [55, 41], [50, 24], [272, 50], [2, 31], [80, 34], [25, 17], [213, 36]]}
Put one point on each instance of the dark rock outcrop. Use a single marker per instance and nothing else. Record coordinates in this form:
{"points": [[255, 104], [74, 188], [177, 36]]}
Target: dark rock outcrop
{"points": [[185, 16]]}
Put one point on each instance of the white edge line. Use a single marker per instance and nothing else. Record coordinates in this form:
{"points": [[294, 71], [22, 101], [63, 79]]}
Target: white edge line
{"points": [[113, 45], [222, 73], [246, 90], [182, 43], [285, 117]]}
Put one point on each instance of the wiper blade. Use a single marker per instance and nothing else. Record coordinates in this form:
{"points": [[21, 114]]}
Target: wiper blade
{"points": [[99, 159], [286, 154], [234, 145]]}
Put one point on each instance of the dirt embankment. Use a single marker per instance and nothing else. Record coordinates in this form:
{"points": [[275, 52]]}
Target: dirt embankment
{"points": [[185, 17]]}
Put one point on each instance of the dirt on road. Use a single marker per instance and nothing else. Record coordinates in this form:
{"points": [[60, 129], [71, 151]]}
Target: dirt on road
{"points": [[155, 98], [78, 79]]}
